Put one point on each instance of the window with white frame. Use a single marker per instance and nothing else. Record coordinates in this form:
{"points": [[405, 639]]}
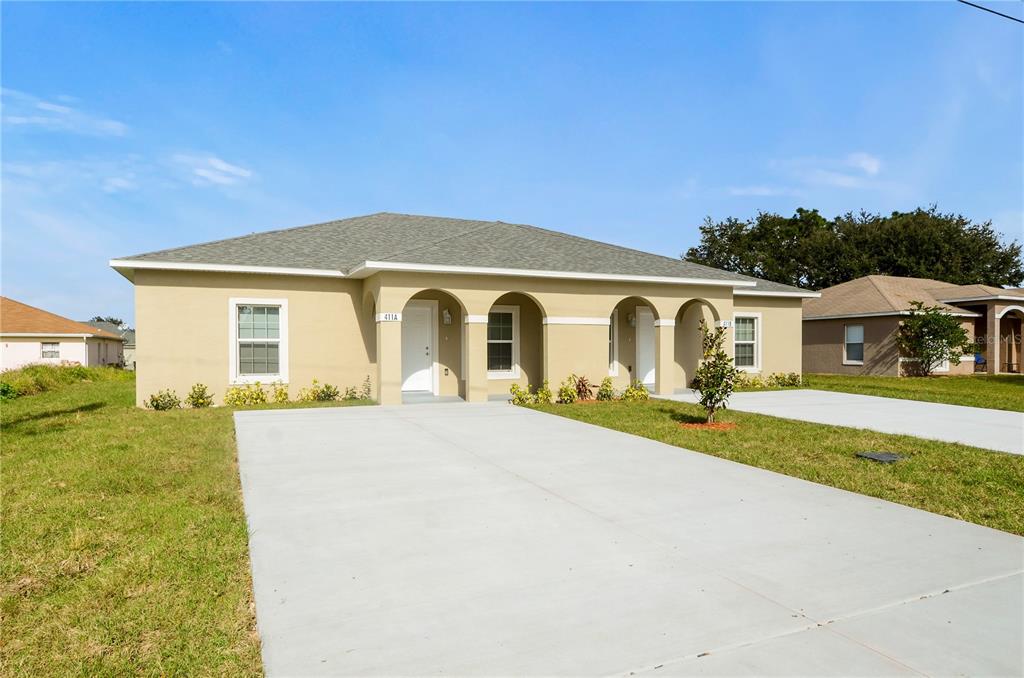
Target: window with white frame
{"points": [[259, 340], [853, 345], [613, 344], [747, 341], [503, 342], [50, 349]]}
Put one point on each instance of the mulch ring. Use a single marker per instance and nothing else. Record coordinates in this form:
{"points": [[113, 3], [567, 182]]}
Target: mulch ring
{"points": [[703, 426]]}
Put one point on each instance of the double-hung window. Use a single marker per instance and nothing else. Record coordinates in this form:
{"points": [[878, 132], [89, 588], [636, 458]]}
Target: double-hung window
{"points": [[50, 349], [259, 341], [853, 345], [747, 341], [503, 342]]}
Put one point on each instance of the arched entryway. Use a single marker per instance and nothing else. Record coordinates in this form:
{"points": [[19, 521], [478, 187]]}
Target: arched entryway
{"points": [[432, 345], [687, 339], [632, 355], [515, 343], [1011, 324]]}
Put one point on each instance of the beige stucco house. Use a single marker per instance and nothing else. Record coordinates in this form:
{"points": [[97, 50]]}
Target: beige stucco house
{"points": [[851, 328], [442, 307], [30, 335]]}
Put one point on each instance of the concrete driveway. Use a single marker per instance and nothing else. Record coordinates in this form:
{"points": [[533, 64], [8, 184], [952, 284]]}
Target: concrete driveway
{"points": [[486, 539], [976, 426]]}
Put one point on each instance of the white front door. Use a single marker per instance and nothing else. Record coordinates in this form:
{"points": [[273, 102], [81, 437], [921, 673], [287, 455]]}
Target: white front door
{"points": [[644, 344], [418, 347]]}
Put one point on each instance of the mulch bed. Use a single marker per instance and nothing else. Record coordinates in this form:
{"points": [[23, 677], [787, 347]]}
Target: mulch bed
{"points": [[703, 426]]}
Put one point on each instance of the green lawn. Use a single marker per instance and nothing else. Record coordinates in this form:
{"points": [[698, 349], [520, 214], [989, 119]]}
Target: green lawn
{"points": [[963, 482], [124, 541], [999, 391]]}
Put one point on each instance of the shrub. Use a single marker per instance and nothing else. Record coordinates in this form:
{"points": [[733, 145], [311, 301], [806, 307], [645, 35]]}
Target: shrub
{"points": [[930, 336], [715, 379], [567, 391], [520, 395], [164, 400], [366, 391], [7, 391], [318, 393], [780, 380], [636, 391], [244, 396], [543, 396], [605, 391], [33, 379], [584, 389], [279, 392], [199, 396]]}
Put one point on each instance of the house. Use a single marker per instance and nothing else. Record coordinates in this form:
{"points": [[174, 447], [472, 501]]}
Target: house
{"points": [[851, 327], [31, 335], [429, 306], [127, 337]]}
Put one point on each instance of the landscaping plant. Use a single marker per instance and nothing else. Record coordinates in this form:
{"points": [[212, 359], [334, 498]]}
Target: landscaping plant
{"points": [[319, 393], [930, 336], [636, 392], [279, 392], [716, 375], [244, 396], [543, 396], [520, 395], [567, 391], [605, 390], [366, 391], [584, 389], [164, 400], [199, 397]]}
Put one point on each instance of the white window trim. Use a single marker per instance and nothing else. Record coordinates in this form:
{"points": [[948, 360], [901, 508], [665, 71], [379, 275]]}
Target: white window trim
{"points": [[234, 378], [613, 367], [514, 372], [846, 361], [43, 350], [758, 339]]}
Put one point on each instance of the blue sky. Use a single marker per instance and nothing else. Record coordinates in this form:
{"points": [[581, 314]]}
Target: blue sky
{"points": [[134, 127]]}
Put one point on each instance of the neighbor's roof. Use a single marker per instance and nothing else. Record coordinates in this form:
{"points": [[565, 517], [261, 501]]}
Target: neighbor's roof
{"points": [[19, 318], [359, 246], [104, 325], [884, 294]]}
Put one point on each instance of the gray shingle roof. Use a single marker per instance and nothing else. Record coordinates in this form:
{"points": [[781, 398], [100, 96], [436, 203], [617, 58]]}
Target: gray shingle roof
{"points": [[342, 245]]}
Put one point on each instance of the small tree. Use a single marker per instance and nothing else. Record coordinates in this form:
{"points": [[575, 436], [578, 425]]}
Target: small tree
{"points": [[931, 336], [716, 376]]}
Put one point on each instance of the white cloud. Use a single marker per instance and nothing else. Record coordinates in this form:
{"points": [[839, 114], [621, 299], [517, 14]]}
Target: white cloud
{"points": [[26, 111], [206, 170], [49, 178], [867, 163]]}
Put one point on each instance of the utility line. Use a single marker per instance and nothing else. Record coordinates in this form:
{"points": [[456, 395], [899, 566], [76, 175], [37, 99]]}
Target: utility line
{"points": [[992, 11]]}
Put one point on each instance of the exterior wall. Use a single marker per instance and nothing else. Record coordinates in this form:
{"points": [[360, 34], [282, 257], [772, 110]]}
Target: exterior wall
{"points": [[823, 346], [183, 329], [105, 351], [20, 351], [781, 332]]}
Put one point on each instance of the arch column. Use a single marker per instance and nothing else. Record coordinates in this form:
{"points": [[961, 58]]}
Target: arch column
{"points": [[389, 358], [664, 356], [474, 341]]}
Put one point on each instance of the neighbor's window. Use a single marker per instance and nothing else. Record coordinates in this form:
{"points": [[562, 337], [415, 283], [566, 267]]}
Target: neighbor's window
{"points": [[853, 348], [502, 328], [51, 349], [259, 340], [745, 342]]}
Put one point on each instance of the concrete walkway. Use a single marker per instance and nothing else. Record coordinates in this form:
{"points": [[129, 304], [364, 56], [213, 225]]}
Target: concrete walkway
{"points": [[976, 426], [459, 539]]}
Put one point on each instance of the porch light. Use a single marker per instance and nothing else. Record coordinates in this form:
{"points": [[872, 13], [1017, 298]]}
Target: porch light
{"points": [[446, 316], [632, 320]]}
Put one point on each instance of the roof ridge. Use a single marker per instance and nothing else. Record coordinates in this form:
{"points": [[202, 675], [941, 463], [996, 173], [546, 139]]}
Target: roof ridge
{"points": [[486, 224]]}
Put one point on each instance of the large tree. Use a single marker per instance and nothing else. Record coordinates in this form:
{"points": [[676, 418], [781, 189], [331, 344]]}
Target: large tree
{"points": [[811, 251]]}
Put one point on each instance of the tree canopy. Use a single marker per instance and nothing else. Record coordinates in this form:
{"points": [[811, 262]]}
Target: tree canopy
{"points": [[810, 251]]}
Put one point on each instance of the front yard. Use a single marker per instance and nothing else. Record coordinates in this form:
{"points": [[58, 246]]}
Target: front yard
{"points": [[997, 391], [125, 548], [971, 484]]}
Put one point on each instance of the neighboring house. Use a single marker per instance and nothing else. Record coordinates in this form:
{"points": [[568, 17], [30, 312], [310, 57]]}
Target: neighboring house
{"points": [[31, 335], [127, 336], [440, 306], [851, 327]]}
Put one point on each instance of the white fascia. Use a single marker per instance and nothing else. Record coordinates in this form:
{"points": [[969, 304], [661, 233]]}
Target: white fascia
{"points": [[368, 268], [765, 293], [882, 314], [122, 265], [990, 297], [54, 334]]}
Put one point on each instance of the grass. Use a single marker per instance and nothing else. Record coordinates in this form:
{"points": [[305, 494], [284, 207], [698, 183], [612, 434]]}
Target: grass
{"points": [[962, 482], [125, 548], [997, 391], [33, 379]]}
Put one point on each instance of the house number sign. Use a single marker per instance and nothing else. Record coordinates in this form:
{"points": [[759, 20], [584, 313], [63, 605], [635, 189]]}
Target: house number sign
{"points": [[389, 317]]}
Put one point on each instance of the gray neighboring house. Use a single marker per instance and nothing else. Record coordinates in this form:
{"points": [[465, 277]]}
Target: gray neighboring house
{"points": [[127, 337]]}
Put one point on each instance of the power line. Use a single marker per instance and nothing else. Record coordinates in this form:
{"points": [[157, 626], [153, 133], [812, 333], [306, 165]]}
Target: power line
{"points": [[992, 11]]}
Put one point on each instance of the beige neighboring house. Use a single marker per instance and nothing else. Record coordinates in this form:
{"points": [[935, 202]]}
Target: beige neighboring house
{"points": [[851, 327], [31, 335], [429, 306]]}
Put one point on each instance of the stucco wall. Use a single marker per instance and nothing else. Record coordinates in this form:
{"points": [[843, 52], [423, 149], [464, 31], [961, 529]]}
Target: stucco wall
{"points": [[823, 346], [781, 332], [19, 351], [183, 329]]}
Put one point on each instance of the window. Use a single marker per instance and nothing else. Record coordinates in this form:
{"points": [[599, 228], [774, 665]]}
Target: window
{"points": [[853, 345], [747, 342], [503, 342], [259, 350], [50, 349], [613, 344]]}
